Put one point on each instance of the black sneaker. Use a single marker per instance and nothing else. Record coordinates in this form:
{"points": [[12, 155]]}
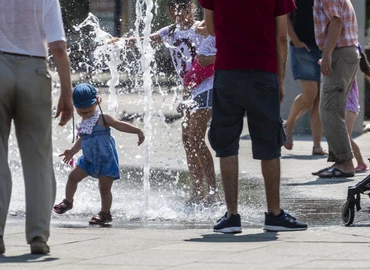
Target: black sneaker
{"points": [[283, 222], [228, 225]]}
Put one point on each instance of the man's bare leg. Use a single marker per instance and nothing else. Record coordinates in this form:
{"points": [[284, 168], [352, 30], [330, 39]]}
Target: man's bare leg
{"points": [[271, 174], [230, 172]]}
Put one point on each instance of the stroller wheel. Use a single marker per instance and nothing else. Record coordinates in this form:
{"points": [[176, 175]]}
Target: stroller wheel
{"points": [[348, 213]]}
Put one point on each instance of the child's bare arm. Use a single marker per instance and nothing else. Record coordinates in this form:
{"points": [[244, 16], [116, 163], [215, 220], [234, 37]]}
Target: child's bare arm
{"points": [[131, 42], [124, 127], [69, 153], [204, 60]]}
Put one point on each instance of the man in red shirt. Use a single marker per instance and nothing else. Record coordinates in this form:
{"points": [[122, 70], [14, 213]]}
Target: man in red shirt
{"points": [[249, 79]]}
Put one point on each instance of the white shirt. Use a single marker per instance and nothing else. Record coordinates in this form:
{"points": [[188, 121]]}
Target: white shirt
{"points": [[26, 26], [184, 45], [208, 46]]}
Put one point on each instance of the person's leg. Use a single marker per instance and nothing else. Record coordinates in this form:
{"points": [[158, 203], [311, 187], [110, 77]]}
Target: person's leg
{"points": [[198, 128], [302, 103], [7, 95], [350, 122], [105, 187], [32, 119], [224, 134], [271, 175], [316, 126], [196, 176], [230, 172], [267, 135], [335, 89], [74, 177]]}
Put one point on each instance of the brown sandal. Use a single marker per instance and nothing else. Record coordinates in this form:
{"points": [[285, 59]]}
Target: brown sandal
{"points": [[63, 207], [101, 218]]}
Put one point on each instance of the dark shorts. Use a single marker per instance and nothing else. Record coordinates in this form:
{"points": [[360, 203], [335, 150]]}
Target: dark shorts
{"points": [[246, 92], [305, 64], [204, 100]]}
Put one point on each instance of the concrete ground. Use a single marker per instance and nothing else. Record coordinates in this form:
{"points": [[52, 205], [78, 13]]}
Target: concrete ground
{"points": [[167, 244]]}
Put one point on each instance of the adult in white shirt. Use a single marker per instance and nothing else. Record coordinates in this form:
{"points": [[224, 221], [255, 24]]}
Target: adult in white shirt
{"points": [[27, 29]]}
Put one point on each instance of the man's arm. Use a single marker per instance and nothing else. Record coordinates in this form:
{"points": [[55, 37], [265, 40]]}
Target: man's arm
{"points": [[209, 21], [334, 30], [61, 59], [293, 36], [282, 50]]}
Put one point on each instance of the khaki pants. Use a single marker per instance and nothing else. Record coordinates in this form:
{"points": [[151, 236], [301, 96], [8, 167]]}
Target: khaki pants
{"points": [[25, 97], [333, 95]]}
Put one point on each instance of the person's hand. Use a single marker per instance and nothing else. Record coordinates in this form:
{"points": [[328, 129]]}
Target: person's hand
{"points": [[301, 44], [202, 29], [141, 137], [65, 109], [325, 63], [68, 155]]}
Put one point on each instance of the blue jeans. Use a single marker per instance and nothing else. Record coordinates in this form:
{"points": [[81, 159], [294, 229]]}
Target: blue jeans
{"points": [[305, 64]]}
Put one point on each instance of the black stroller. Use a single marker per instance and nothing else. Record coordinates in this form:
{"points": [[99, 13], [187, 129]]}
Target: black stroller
{"points": [[354, 192], [353, 199]]}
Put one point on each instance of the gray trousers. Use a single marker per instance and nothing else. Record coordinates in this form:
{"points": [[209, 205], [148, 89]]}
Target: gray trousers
{"points": [[25, 97], [333, 95]]}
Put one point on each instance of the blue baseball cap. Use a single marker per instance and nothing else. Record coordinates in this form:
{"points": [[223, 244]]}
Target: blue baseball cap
{"points": [[84, 95]]}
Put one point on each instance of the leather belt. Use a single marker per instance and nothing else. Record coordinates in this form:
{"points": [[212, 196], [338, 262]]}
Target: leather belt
{"points": [[23, 55]]}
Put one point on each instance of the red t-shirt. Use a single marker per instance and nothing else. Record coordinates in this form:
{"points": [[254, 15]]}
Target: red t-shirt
{"points": [[245, 32]]}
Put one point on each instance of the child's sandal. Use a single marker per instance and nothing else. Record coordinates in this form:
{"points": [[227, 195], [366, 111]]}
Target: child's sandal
{"points": [[101, 218], [63, 207]]}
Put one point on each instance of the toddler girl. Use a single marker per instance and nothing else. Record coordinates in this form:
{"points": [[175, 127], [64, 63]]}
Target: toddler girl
{"points": [[99, 155]]}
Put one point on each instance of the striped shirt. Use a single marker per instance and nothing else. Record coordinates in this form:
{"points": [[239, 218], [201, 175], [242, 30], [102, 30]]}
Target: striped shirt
{"points": [[324, 10]]}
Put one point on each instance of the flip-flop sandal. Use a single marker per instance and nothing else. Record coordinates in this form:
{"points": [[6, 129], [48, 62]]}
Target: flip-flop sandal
{"points": [[288, 142], [335, 173], [320, 171], [361, 169]]}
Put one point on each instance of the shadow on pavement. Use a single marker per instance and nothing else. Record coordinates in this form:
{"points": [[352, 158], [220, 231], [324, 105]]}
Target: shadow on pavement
{"points": [[304, 157], [27, 258], [227, 238], [322, 181]]}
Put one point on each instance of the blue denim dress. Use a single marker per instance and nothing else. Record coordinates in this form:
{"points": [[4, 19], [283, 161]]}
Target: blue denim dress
{"points": [[99, 154]]}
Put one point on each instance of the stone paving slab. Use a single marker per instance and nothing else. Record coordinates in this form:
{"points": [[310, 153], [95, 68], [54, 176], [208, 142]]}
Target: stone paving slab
{"points": [[119, 248]]}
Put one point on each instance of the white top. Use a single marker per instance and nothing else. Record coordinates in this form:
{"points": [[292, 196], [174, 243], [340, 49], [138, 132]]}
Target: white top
{"points": [[26, 26], [184, 46], [208, 46]]}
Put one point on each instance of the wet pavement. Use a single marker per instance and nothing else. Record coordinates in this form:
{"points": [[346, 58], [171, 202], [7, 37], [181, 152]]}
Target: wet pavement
{"points": [[165, 234]]}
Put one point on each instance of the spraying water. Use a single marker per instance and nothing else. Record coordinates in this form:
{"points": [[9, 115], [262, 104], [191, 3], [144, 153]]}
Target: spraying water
{"points": [[147, 57], [167, 183]]}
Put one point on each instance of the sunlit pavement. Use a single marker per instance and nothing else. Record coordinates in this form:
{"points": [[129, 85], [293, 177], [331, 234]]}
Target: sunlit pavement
{"points": [[132, 243]]}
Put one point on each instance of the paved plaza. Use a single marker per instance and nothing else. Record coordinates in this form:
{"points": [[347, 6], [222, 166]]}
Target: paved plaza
{"points": [[170, 244]]}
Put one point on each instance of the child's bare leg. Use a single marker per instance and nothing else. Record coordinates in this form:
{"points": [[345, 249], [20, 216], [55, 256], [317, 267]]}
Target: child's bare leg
{"points": [[74, 177], [198, 128], [350, 122], [105, 187], [196, 174]]}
